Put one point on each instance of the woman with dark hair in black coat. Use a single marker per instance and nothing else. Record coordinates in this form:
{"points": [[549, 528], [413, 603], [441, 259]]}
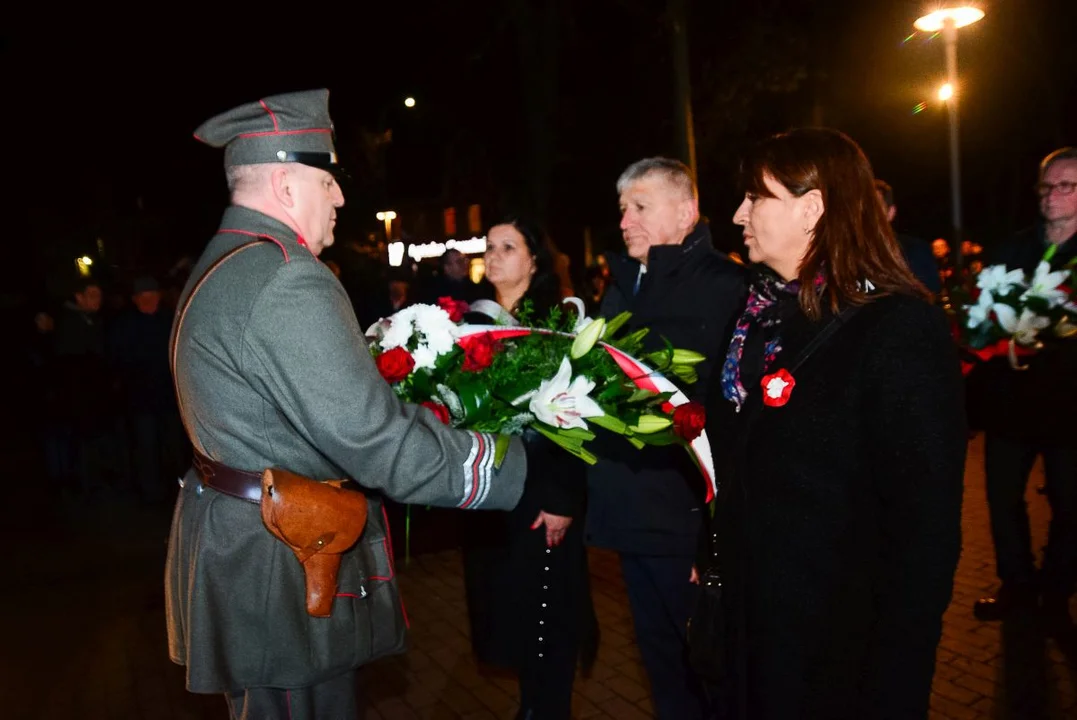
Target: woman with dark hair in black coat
{"points": [[840, 443], [525, 571]]}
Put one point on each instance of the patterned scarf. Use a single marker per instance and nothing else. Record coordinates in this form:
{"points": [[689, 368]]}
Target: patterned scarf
{"points": [[762, 311]]}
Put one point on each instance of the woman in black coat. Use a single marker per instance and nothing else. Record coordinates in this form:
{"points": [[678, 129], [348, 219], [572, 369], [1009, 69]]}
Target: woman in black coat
{"points": [[841, 465], [525, 570]]}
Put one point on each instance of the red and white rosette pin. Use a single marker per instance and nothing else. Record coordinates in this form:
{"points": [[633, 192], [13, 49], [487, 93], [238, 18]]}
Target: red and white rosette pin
{"points": [[777, 387]]}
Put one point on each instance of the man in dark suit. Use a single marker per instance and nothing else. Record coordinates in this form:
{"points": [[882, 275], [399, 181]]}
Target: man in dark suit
{"points": [[1030, 413], [918, 253], [648, 505]]}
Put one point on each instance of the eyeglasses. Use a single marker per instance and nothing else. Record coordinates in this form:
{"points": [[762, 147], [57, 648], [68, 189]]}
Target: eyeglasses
{"points": [[1044, 189]]}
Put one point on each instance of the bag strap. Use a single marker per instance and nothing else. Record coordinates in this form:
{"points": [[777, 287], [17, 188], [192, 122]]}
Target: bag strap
{"points": [[823, 335], [177, 326]]}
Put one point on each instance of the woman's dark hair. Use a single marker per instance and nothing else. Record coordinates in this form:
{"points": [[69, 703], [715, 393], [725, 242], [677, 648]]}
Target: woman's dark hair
{"points": [[853, 240], [544, 290]]}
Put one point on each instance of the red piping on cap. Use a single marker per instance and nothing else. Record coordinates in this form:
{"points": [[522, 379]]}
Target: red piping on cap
{"points": [[275, 125]]}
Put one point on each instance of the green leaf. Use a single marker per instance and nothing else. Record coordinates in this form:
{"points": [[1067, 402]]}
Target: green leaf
{"points": [[610, 423], [685, 373], [474, 395], [501, 448], [664, 437], [636, 442], [659, 359], [640, 395], [564, 443], [574, 433], [629, 343], [615, 324]]}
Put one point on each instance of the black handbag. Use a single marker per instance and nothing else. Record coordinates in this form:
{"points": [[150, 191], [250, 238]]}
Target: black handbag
{"points": [[707, 627], [707, 633]]}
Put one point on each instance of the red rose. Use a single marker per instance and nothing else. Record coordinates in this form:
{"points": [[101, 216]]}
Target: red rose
{"points": [[689, 420], [777, 387], [479, 351], [455, 308], [438, 409], [394, 365]]}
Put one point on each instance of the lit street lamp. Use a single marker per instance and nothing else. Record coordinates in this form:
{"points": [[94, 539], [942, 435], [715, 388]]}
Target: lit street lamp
{"points": [[387, 217], [409, 102], [948, 20]]}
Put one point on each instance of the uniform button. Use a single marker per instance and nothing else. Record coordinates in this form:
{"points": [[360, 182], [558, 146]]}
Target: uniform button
{"points": [[547, 551], [545, 587], [547, 568], [542, 622], [540, 639], [540, 654], [198, 489], [543, 604]]}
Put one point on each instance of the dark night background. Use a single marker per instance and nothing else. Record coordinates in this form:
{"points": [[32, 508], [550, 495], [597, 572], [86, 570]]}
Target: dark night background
{"points": [[522, 104]]}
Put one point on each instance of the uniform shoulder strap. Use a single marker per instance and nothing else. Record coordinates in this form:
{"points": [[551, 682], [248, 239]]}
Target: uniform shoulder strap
{"points": [[177, 326]]}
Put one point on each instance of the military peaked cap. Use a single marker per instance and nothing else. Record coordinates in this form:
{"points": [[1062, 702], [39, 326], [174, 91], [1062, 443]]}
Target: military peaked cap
{"points": [[293, 127]]}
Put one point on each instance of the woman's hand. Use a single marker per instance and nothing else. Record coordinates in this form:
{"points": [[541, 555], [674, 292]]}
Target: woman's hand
{"points": [[556, 525]]}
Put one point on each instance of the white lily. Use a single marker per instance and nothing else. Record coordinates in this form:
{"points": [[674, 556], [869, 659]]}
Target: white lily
{"points": [[562, 404], [998, 280], [1025, 328], [981, 311], [1045, 284]]}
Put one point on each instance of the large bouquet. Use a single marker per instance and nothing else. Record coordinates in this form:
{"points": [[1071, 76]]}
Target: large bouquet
{"points": [[1007, 311], [558, 375]]}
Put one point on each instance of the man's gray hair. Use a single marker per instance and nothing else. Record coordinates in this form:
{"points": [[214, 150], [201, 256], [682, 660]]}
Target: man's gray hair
{"points": [[1066, 153], [672, 171], [244, 177]]}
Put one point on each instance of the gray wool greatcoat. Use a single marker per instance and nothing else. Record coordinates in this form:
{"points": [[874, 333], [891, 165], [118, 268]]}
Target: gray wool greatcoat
{"points": [[274, 372]]}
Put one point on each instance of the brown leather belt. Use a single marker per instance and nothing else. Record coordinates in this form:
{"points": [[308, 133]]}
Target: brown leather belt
{"points": [[237, 483]]}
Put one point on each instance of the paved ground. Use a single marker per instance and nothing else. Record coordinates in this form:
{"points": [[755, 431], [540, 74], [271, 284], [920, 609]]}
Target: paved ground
{"points": [[82, 624]]}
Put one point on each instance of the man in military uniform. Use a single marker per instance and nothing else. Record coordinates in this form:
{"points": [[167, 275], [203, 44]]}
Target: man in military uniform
{"points": [[272, 371]]}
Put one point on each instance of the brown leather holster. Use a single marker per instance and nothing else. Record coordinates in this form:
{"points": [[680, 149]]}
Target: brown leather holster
{"points": [[319, 521]]}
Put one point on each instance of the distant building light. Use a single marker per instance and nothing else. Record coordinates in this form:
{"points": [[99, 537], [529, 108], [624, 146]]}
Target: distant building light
{"points": [[420, 251], [396, 254]]}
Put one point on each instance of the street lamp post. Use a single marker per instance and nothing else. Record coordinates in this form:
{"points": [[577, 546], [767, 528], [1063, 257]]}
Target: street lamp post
{"points": [[948, 20], [387, 217]]}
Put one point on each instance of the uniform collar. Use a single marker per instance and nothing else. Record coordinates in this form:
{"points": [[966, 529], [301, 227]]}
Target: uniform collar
{"points": [[241, 220]]}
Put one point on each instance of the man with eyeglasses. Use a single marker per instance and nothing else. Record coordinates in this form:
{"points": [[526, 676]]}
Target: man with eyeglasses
{"points": [[1028, 413]]}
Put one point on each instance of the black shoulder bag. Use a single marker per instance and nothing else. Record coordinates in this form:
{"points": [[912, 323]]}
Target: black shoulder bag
{"points": [[707, 645]]}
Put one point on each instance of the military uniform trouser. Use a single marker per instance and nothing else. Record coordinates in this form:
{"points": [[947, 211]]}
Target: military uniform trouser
{"points": [[334, 699]]}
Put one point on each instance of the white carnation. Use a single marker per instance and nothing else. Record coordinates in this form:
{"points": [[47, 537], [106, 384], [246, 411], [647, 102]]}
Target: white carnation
{"points": [[424, 357], [400, 330]]}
